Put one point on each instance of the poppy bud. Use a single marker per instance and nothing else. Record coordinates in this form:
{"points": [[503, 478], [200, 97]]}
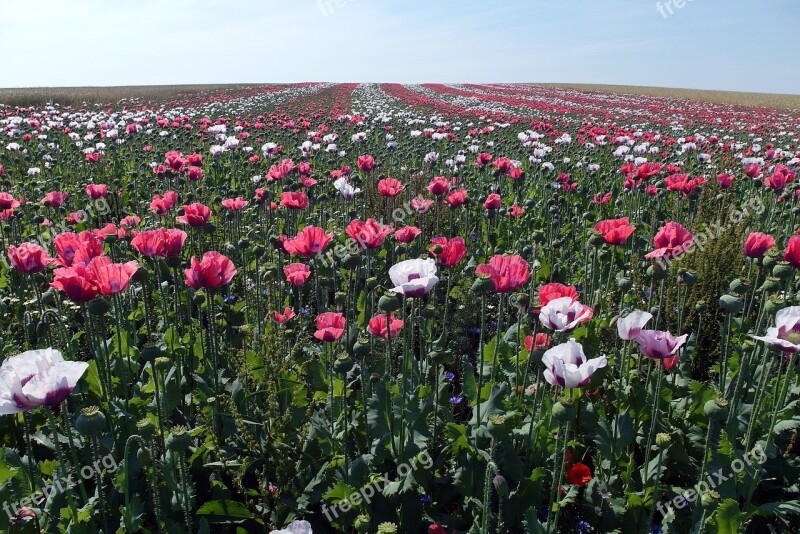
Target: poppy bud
{"points": [[362, 523], [199, 299], [340, 298], [145, 456], [500, 485]]}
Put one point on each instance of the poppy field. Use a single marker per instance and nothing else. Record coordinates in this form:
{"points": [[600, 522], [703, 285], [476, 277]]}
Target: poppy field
{"points": [[399, 308]]}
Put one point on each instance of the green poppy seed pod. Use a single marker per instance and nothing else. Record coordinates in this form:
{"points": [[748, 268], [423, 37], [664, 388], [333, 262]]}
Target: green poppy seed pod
{"points": [[259, 250], [497, 426], [110, 238], [436, 249], [563, 411], [173, 262], [654, 311], [689, 278], [596, 240], [769, 285], [499, 250], [163, 364], [389, 303], [768, 261], [49, 298], [523, 300], [604, 254], [361, 348], [536, 265], [716, 409], [539, 236], [199, 299], [178, 439], [209, 228], [230, 250], [374, 378], [38, 219], [482, 285], [701, 306], [343, 363], [146, 428], [91, 422], [150, 352], [351, 261], [730, 303], [272, 271], [372, 283], [738, 287], [362, 523], [657, 271], [141, 275], [782, 271], [773, 305], [428, 312], [41, 329], [243, 244], [145, 456], [400, 249], [624, 284], [276, 242], [340, 298], [99, 306], [387, 528], [663, 440], [438, 356]]}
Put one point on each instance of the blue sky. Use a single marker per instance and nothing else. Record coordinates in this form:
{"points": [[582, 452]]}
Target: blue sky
{"points": [[745, 45]]}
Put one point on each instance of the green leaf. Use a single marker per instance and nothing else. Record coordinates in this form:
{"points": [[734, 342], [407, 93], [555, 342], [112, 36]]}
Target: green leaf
{"points": [[225, 511], [728, 517]]}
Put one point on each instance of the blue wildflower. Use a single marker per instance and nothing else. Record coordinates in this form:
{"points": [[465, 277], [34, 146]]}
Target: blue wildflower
{"points": [[583, 526], [449, 376], [425, 499], [457, 399]]}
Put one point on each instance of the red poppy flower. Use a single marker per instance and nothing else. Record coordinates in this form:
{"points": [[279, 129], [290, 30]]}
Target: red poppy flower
{"points": [[96, 191], [28, 258], [439, 186], [452, 251], [492, 202], [287, 315], [330, 326], [297, 273], [308, 243], [615, 231], [366, 163], [579, 474], [554, 291], [370, 234], [507, 273], [214, 270], [671, 240], [296, 200], [195, 215], [758, 244], [378, 326], [389, 187], [407, 234]]}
